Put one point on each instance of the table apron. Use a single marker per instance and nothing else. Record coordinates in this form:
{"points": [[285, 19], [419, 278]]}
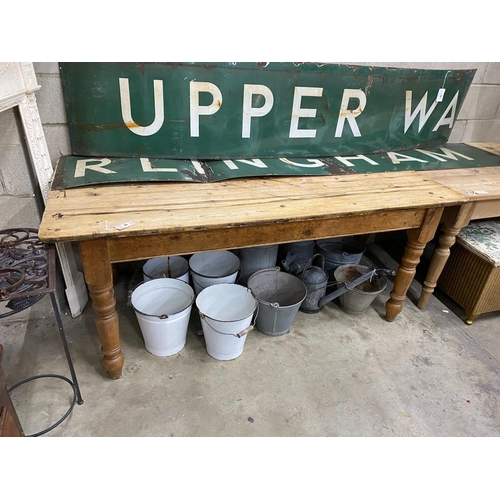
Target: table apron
{"points": [[486, 209], [145, 246]]}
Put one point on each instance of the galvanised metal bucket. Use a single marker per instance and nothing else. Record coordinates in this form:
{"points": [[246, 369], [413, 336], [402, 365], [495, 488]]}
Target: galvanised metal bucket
{"points": [[359, 299], [340, 251], [255, 259], [279, 295]]}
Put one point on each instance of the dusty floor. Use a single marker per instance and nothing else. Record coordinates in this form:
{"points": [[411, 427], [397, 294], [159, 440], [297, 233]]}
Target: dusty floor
{"points": [[334, 374]]}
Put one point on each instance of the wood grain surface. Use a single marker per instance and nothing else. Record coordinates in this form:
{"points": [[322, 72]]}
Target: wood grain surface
{"points": [[491, 147], [162, 208], [475, 183]]}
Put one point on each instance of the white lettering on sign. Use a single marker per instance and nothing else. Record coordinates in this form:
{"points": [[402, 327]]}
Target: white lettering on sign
{"points": [[127, 109], [195, 88], [350, 114], [346, 162], [397, 158], [450, 109], [248, 111], [148, 167], [446, 153], [197, 166], [83, 165], [298, 112], [312, 163], [98, 164], [259, 100], [255, 163], [419, 111]]}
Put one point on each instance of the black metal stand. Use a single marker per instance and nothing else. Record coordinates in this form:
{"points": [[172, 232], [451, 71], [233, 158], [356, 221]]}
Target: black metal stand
{"points": [[27, 273]]}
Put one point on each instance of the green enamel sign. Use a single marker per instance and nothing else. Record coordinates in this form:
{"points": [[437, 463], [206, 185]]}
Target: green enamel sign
{"points": [[74, 171], [207, 111]]}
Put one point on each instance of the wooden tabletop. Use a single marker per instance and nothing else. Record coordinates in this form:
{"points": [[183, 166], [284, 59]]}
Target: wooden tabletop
{"points": [[158, 208], [475, 183], [491, 147], [478, 184]]}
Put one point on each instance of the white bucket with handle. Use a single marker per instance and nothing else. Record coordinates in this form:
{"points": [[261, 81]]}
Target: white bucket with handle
{"points": [[163, 307], [226, 313]]}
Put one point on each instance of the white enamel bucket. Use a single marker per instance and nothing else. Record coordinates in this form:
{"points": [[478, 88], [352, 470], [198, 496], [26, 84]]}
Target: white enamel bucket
{"points": [[166, 267], [163, 307], [211, 268], [226, 312]]}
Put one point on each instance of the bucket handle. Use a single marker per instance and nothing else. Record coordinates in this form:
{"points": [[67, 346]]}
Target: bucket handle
{"points": [[243, 332], [275, 268]]}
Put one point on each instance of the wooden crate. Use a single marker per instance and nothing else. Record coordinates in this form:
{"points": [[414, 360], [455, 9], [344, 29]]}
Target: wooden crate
{"points": [[471, 276]]}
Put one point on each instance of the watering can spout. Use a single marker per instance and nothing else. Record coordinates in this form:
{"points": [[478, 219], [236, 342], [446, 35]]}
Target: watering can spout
{"points": [[289, 265]]}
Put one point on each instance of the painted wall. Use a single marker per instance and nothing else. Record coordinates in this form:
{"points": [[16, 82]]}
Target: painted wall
{"points": [[20, 203]]}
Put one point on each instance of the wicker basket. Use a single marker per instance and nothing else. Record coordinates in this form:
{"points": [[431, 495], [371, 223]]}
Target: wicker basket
{"points": [[471, 277]]}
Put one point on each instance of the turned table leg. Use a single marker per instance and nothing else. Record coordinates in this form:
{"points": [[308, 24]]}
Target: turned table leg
{"points": [[99, 278], [417, 239], [455, 218]]}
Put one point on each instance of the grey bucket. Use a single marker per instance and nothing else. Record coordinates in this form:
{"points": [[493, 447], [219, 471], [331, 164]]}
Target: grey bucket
{"points": [[255, 259], [279, 295], [340, 251], [358, 300]]}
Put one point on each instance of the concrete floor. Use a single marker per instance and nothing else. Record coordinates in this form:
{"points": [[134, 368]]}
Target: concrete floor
{"points": [[334, 374]]}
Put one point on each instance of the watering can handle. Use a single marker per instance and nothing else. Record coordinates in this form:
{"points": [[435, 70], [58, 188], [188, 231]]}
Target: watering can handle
{"points": [[310, 261]]}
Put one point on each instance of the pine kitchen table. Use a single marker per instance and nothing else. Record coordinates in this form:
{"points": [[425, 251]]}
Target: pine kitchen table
{"points": [[185, 218], [482, 188]]}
